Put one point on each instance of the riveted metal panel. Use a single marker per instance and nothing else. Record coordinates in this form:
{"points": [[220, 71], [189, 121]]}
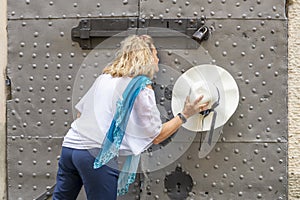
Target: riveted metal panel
{"points": [[49, 72], [274, 9], [231, 171], [255, 53], [32, 165], [35, 9], [42, 67]]}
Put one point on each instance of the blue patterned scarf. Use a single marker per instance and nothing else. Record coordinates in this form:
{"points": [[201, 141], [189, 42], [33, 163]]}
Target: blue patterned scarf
{"points": [[116, 132]]}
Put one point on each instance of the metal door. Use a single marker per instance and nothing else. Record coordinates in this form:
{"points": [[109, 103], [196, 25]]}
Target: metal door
{"points": [[249, 39]]}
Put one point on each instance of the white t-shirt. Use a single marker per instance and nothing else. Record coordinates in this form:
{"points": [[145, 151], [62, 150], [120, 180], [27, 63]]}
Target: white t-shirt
{"points": [[97, 108]]}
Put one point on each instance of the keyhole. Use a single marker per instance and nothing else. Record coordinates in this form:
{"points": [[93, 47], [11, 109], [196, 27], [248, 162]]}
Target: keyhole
{"points": [[178, 187]]}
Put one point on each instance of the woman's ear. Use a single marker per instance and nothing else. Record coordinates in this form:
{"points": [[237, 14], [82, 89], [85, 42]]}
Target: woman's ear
{"points": [[149, 86]]}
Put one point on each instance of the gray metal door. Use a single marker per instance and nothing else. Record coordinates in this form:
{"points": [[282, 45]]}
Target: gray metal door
{"points": [[249, 39]]}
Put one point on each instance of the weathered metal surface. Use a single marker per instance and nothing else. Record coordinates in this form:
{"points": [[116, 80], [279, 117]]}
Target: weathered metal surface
{"points": [[231, 171], [33, 9], [244, 9], [49, 73]]}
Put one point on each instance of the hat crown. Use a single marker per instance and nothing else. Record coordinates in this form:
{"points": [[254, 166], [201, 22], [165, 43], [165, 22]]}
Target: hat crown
{"points": [[208, 90]]}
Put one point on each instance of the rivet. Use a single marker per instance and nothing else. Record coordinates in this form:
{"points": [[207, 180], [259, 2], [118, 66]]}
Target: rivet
{"points": [[214, 184], [256, 151], [236, 151], [278, 150], [249, 186], [19, 186], [27, 2], [240, 134], [231, 184], [270, 188], [252, 168], [34, 162], [258, 136], [259, 196], [241, 177], [280, 179]]}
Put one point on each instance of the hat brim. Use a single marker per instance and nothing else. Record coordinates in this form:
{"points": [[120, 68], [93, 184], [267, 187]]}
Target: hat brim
{"points": [[222, 79]]}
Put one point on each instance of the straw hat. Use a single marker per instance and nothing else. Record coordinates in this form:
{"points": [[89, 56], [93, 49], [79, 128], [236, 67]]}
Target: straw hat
{"points": [[219, 89]]}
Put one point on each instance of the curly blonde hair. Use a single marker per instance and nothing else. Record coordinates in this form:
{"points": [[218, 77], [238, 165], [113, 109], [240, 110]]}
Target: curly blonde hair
{"points": [[135, 57]]}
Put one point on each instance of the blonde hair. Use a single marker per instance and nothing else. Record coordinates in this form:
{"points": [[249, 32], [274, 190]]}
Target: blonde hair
{"points": [[135, 57]]}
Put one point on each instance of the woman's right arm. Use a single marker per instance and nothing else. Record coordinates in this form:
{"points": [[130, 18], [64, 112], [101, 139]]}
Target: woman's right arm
{"points": [[170, 127]]}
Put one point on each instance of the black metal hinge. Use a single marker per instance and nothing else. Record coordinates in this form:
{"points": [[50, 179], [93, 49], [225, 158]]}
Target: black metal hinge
{"points": [[167, 33]]}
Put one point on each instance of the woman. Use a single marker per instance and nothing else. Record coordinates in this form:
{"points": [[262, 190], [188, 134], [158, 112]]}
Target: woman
{"points": [[118, 114]]}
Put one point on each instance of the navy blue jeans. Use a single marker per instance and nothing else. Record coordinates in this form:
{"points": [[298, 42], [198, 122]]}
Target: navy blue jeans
{"points": [[76, 169]]}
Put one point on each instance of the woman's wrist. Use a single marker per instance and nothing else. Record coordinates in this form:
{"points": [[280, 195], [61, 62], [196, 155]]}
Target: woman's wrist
{"points": [[182, 117]]}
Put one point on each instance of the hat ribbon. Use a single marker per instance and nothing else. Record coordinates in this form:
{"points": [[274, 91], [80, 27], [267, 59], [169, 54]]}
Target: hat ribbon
{"points": [[213, 121]]}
